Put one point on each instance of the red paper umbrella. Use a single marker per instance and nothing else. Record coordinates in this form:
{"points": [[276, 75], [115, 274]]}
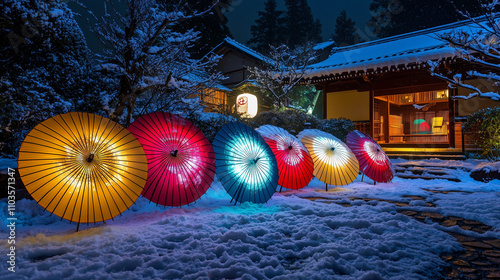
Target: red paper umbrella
{"points": [[181, 159], [295, 165], [373, 161]]}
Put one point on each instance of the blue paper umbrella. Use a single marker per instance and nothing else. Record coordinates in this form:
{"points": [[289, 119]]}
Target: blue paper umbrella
{"points": [[246, 165]]}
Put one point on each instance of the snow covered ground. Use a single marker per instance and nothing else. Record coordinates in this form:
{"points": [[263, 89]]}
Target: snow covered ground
{"points": [[288, 238]]}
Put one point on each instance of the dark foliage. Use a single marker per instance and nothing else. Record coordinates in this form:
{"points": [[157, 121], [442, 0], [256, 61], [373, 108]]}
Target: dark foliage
{"points": [[212, 26], [268, 29], [337, 127], [393, 17], [45, 68], [300, 25], [294, 121], [487, 124], [345, 31]]}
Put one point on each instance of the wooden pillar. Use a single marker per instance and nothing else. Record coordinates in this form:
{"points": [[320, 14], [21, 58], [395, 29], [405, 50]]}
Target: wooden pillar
{"points": [[451, 116], [325, 107], [371, 113]]}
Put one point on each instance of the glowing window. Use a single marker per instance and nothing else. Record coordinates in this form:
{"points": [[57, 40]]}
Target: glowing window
{"points": [[247, 105]]}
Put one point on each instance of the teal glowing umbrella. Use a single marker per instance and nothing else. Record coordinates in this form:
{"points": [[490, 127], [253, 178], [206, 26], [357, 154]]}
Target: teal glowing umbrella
{"points": [[245, 164]]}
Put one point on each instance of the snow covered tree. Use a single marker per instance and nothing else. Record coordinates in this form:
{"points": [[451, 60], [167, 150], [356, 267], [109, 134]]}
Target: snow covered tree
{"points": [[283, 73], [393, 17], [345, 30], [45, 68], [150, 59], [268, 29], [212, 26], [300, 25], [479, 46]]}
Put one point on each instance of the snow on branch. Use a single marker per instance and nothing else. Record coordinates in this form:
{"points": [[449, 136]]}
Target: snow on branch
{"points": [[283, 72], [148, 53], [478, 44]]}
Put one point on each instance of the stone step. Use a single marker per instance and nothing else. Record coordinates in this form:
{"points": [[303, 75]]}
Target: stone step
{"points": [[424, 170], [409, 165], [426, 156], [425, 177]]}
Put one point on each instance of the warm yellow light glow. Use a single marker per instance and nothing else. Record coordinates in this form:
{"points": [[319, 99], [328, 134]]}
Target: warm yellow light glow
{"points": [[334, 162], [247, 105], [82, 167]]}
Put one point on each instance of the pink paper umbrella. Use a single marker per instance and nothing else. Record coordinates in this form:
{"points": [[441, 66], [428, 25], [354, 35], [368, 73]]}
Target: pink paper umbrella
{"points": [[181, 159], [373, 161]]}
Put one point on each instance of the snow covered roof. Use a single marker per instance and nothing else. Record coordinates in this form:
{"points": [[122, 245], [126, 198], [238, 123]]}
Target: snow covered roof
{"points": [[410, 50], [323, 45], [199, 76], [196, 76], [244, 49]]}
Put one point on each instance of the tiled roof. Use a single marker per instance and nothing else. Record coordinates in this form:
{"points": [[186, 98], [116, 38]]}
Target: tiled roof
{"points": [[410, 50], [244, 49]]}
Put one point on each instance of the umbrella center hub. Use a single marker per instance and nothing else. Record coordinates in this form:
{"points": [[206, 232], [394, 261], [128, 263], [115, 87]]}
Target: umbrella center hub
{"points": [[332, 149], [174, 153], [290, 147], [254, 161], [90, 158]]}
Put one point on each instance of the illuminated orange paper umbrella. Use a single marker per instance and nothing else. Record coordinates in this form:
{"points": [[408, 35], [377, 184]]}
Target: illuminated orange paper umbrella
{"points": [[373, 161], [295, 165], [82, 167], [334, 162], [181, 159]]}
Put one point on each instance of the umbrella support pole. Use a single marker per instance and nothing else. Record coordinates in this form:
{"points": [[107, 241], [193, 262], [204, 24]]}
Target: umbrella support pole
{"points": [[281, 187], [326, 187], [362, 177], [77, 227]]}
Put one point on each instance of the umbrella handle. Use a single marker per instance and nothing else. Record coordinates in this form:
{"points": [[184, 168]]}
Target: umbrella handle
{"points": [[90, 158]]}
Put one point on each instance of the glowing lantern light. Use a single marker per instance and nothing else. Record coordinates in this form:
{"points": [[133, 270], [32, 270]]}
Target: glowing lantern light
{"points": [[247, 105], [295, 165], [181, 159], [82, 167], [246, 165], [334, 162], [373, 161]]}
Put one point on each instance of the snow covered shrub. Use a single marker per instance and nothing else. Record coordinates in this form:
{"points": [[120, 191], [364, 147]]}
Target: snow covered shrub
{"points": [[210, 123], [45, 68], [487, 124], [291, 120], [337, 127], [148, 59]]}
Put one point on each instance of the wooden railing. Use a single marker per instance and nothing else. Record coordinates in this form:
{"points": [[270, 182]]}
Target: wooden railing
{"points": [[363, 127]]}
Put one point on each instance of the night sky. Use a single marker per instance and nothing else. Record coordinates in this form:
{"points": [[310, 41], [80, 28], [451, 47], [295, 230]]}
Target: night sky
{"points": [[243, 14]]}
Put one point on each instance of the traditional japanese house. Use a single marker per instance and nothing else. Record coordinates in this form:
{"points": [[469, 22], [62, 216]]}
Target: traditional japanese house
{"points": [[245, 96], [385, 86]]}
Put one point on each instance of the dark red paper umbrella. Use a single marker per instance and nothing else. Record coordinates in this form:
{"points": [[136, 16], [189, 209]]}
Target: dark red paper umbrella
{"points": [[181, 160], [295, 165], [373, 161]]}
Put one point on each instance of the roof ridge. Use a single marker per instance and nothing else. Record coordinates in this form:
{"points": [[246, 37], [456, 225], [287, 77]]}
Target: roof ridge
{"points": [[245, 48], [412, 34]]}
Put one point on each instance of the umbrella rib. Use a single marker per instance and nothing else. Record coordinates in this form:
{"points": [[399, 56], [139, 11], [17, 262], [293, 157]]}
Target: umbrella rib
{"points": [[74, 171], [97, 188]]}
